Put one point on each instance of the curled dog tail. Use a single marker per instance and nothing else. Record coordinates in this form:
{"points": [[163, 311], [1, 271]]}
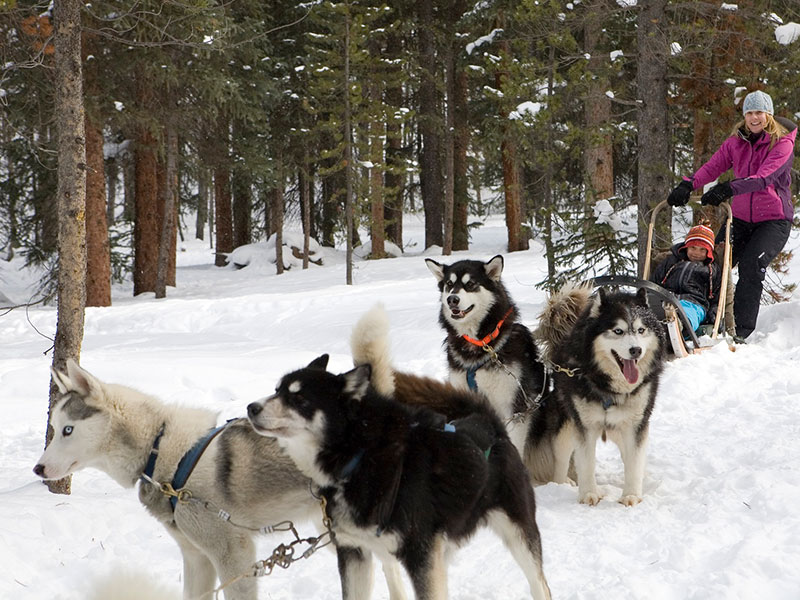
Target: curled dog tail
{"points": [[369, 343], [560, 313]]}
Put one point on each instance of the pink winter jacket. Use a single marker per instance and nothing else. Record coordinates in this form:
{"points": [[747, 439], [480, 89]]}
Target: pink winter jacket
{"points": [[762, 175]]}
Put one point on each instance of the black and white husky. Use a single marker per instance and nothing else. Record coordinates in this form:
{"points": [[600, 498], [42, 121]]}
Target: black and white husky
{"points": [[608, 352], [489, 351], [401, 481], [128, 434]]}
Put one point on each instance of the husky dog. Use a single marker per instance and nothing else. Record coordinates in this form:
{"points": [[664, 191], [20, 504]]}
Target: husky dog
{"points": [[125, 433], [489, 351], [401, 480], [608, 353]]}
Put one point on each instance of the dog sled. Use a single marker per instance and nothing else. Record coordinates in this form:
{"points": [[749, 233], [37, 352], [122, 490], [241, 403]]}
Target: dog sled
{"points": [[674, 316]]}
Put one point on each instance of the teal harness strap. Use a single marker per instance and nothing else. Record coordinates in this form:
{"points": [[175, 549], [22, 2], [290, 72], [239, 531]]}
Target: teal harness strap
{"points": [[189, 461]]}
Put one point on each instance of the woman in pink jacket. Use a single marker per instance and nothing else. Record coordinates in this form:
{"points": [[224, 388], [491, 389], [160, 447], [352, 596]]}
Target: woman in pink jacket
{"points": [[760, 151]]}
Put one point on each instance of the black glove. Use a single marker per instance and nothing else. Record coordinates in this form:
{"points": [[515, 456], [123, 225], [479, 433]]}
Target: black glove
{"points": [[680, 195], [717, 195]]}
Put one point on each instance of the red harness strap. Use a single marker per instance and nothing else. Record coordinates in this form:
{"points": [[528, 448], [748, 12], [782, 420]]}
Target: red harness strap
{"points": [[492, 336]]}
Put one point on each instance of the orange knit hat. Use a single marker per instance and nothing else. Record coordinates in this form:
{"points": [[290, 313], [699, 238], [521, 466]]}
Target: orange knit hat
{"points": [[703, 236]]}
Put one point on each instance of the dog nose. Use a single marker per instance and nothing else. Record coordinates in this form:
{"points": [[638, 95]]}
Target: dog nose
{"points": [[254, 408], [635, 351], [453, 300], [39, 470]]}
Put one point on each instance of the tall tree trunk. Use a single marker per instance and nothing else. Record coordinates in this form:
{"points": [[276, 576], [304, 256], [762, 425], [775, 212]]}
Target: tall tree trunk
{"points": [[112, 181], [147, 221], [224, 215], [202, 205], [277, 219], [146, 225], [549, 203], [430, 175], [242, 200], [169, 193], [653, 150], [71, 198], [460, 165], [377, 133], [512, 185], [304, 183], [98, 251], [598, 150], [348, 156], [449, 141]]}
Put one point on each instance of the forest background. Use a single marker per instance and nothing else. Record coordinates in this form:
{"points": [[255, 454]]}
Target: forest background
{"points": [[338, 117]]}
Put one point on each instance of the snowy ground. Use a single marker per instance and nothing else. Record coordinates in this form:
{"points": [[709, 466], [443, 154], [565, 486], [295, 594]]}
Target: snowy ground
{"points": [[719, 518]]}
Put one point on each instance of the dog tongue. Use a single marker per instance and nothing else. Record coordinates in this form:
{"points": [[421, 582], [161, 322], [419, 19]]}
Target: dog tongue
{"points": [[629, 370]]}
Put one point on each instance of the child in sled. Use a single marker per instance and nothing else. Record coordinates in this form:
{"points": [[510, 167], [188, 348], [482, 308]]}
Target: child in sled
{"points": [[689, 272]]}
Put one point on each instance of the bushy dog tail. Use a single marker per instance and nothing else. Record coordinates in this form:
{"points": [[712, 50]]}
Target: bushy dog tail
{"points": [[369, 343], [560, 313]]}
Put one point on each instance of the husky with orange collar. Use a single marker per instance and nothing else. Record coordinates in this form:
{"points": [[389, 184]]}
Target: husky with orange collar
{"points": [[489, 351]]}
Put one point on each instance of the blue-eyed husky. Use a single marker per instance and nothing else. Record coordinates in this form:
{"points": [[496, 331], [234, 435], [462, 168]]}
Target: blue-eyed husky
{"points": [[128, 434], [402, 480], [489, 351], [608, 353]]}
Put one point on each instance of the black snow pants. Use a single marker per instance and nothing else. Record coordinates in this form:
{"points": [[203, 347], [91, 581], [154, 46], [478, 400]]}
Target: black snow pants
{"points": [[753, 246]]}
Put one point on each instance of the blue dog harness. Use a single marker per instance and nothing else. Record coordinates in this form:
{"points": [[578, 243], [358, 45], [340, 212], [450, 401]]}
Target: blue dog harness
{"points": [[186, 465]]}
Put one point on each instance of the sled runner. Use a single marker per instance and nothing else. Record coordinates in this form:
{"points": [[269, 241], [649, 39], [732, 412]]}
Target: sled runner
{"points": [[676, 320]]}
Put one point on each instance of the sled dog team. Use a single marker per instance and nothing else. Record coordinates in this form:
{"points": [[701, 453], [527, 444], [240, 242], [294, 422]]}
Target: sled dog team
{"points": [[408, 467]]}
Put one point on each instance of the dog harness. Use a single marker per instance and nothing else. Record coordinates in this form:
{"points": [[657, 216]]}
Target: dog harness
{"points": [[186, 465], [484, 343]]}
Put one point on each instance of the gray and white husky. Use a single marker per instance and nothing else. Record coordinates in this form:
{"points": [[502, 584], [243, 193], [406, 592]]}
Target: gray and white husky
{"points": [[608, 353], [114, 428]]}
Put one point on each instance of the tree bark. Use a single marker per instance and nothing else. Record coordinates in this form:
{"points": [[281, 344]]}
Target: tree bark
{"points": [[512, 188], [98, 251], [277, 219], [169, 192], [598, 154], [430, 167], [348, 158], [147, 222], [224, 216], [653, 151], [449, 141], [460, 165], [71, 197]]}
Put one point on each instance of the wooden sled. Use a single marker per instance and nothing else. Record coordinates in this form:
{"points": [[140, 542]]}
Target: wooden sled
{"points": [[676, 320]]}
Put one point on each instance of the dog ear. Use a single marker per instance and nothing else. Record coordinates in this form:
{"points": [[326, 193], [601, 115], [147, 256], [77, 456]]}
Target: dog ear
{"points": [[597, 301], [436, 268], [494, 268], [79, 379], [61, 380], [321, 362], [356, 381], [641, 298]]}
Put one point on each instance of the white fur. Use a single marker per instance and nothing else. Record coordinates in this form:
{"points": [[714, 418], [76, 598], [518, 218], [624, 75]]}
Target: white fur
{"points": [[124, 584], [118, 439], [369, 343], [619, 423]]}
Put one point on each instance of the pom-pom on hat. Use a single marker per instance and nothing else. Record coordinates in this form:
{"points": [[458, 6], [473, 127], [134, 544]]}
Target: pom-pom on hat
{"points": [[703, 236], [757, 100]]}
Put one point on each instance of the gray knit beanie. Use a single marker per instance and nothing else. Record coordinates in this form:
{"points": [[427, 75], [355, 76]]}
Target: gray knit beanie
{"points": [[757, 100]]}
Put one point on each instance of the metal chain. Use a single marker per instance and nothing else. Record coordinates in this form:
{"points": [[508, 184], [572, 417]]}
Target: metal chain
{"points": [[530, 405], [284, 555]]}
